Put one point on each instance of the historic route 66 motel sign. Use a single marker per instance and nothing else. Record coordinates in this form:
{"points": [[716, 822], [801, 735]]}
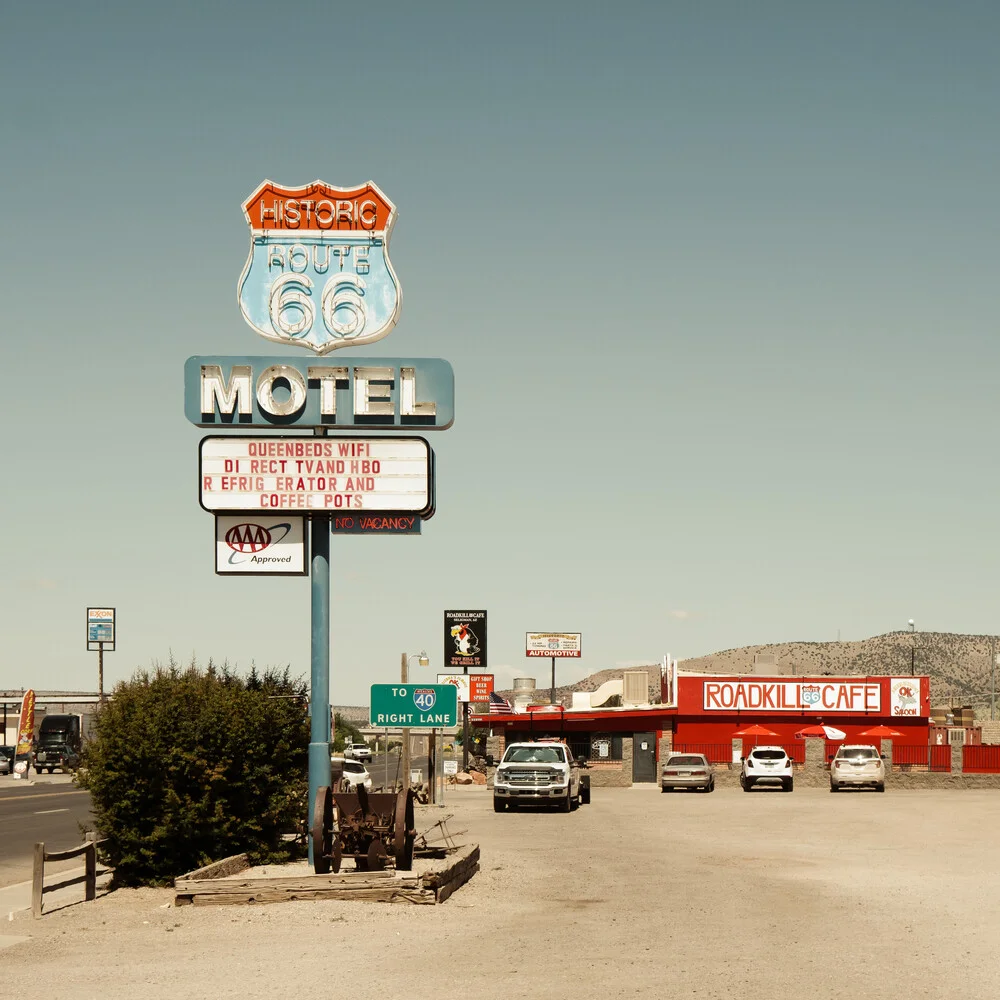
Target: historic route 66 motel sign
{"points": [[318, 277]]}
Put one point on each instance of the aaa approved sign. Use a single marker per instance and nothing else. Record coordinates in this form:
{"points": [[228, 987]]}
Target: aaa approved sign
{"points": [[316, 474], [414, 706]]}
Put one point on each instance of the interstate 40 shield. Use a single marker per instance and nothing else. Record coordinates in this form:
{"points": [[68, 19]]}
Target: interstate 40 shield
{"points": [[318, 274]]}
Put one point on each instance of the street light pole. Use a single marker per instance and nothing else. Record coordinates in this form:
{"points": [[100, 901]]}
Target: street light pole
{"points": [[913, 646]]}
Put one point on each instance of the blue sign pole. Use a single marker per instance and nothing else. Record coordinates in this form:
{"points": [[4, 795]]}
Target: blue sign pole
{"points": [[319, 702]]}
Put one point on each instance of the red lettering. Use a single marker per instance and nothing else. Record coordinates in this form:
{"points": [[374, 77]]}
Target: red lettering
{"points": [[711, 688]]}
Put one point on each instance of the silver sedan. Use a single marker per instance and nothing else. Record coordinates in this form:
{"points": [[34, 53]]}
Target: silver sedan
{"points": [[687, 770]]}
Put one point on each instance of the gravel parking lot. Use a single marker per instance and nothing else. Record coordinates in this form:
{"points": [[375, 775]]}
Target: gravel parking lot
{"points": [[636, 895]]}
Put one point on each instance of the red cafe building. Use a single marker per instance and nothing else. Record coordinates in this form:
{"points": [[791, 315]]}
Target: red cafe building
{"points": [[703, 712]]}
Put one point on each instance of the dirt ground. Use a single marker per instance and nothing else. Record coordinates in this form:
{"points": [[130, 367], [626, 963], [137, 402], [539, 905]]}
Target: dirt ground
{"points": [[636, 895]]}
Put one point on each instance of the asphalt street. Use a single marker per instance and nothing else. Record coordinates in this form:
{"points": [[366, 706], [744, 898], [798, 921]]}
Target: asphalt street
{"points": [[49, 810]]}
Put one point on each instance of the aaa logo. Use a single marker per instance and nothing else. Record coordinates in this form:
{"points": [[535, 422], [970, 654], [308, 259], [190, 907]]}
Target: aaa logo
{"points": [[318, 274]]}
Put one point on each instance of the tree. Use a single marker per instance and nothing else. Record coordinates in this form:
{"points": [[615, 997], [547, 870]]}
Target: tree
{"points": [[189, 766]]}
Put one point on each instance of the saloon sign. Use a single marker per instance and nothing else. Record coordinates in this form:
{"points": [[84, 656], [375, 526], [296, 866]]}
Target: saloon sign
{"points": [[318, 274], [855, 697]]}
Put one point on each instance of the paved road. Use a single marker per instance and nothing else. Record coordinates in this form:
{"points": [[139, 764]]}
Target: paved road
{"points": [[48, 810]]}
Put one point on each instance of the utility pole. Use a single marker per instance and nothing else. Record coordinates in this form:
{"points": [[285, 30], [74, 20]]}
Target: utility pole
{"points": [[405, 749], [993, 677], [465, 726]]}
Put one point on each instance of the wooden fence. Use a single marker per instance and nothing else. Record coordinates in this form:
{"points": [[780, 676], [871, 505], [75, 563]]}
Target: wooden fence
{"points": [[88, 878]]}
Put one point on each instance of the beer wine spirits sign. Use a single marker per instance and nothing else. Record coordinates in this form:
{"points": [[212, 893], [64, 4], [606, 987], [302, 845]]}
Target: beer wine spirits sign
{"points": [[318, 274]]}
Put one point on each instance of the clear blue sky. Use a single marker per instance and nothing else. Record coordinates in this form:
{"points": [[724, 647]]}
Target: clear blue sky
{"points": [[718, 283]]}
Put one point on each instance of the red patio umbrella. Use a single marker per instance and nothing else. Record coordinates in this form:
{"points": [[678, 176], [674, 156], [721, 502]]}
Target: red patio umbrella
{"points": [[755, 730], [828, 731], [881, 732]]}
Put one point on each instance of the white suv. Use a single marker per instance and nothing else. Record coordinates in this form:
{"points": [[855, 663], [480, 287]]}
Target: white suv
{"points": [[358, 751], [766, 765], [859, 764], [353, 772]]}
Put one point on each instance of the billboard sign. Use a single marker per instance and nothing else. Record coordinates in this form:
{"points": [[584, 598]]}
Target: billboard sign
{"points": [[269, 546], [904, 696], [336, 475], [554, 644], [414, 706], [100, 627], [465, 639], [318, 274], [855, 697], [394, 393], [470, 687]]}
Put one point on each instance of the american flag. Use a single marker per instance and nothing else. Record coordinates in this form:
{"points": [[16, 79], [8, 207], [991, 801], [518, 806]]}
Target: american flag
{"points": [[498, 705]]}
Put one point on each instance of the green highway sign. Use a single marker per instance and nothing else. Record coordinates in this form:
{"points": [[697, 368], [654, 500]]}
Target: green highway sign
{"points": [[414, 706]]}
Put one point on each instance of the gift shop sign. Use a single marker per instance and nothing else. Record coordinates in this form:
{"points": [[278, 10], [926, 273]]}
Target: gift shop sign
{"points": [[316, 474], [792, 696]]}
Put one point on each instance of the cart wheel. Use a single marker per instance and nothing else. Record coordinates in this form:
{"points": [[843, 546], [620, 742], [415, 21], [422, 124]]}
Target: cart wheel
{"points": [[404, 831], [322, 831], [376, 856]]}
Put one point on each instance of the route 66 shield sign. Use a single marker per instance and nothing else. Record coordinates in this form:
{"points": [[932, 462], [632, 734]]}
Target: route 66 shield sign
{"points": [[318, 274]]}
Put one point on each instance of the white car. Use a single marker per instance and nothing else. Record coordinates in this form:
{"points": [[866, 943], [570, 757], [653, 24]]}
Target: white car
{"points": [[766, 766], [352, 771], [358, 751], [857, 764]]}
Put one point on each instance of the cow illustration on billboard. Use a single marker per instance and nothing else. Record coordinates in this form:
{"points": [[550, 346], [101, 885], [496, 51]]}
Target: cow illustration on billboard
{"points": [[318, 274]]}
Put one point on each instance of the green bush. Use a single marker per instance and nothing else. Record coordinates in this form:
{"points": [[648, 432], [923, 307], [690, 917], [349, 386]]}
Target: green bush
{"points": [[189, 766]]}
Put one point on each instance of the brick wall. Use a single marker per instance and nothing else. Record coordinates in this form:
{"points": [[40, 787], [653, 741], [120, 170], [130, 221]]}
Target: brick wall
{"points": [[613, 773]]}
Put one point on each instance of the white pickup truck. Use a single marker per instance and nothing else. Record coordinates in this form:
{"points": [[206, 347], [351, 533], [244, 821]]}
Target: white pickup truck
{"points": [[539, 772]]}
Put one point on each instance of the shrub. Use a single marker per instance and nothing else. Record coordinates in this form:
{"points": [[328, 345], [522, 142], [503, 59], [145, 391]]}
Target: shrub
{"points": [[187, 767]]}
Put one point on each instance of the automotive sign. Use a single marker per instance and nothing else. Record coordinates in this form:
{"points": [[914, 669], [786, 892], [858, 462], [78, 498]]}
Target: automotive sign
{"points": [[316, 474], [553, 644], [318, 274]]}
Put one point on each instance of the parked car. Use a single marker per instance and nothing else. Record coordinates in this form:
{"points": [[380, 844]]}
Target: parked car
{"points": [[857, 764], [766, 766], [687, 770], [6, 760], [543, 771], [352, 771], [358, 751]]}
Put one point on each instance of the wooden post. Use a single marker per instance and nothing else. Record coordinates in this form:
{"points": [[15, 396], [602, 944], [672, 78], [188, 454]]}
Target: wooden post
{"points": [[38, 881], [404, 753], [90, 861]]}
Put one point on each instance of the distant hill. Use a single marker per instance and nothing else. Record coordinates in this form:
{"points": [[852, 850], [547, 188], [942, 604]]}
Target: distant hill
{"points": [[958, 665]]}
